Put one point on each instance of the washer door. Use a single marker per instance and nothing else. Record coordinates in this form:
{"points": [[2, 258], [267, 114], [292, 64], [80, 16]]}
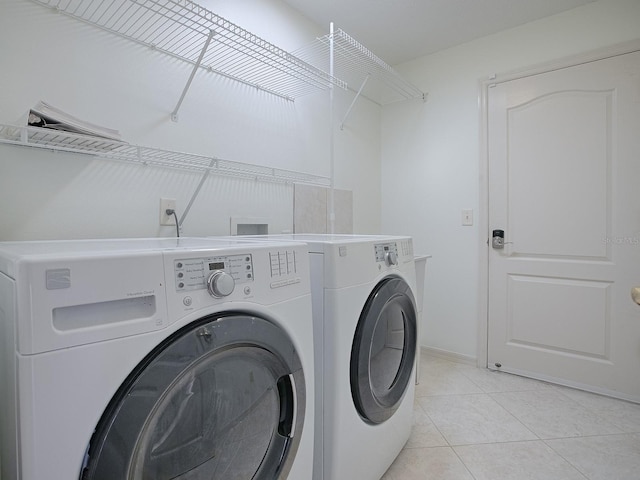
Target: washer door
{"points": [[222, 399], [383, 351]]}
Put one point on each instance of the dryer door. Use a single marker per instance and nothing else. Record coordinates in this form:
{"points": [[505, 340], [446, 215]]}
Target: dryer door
{"points": [[221, 399], [383, 350]]}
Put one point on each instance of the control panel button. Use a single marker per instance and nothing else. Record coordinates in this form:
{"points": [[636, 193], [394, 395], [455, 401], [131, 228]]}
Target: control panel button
{"points": [[220, 284], [390, 258], [284, 283]]}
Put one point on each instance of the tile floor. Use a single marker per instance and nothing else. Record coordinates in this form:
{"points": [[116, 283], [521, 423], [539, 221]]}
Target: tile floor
{"points": [[475, 424]]}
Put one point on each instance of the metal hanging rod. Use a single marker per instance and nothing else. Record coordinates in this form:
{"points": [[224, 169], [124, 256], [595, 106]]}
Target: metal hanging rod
{"points": [[56, 140], [180, 28]]}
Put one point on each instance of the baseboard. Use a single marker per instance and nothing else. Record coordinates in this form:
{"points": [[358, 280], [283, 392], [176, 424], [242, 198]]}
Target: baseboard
{"points": [[451, 356]]}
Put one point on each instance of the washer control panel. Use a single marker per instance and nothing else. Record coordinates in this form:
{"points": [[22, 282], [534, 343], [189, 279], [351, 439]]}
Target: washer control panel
{"points": [[194, 273], [387, 253]]}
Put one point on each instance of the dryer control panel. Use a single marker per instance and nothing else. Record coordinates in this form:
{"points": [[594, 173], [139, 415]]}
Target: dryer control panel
{"points": [[239, 272], [193, 273], [387, 253]]}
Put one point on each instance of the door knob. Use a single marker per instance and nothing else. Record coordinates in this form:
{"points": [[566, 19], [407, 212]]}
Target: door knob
{"points": [[497, 239], [635, 294]]}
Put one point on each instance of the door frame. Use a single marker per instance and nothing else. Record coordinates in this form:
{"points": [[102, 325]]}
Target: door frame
{"points": [[483, 100]]}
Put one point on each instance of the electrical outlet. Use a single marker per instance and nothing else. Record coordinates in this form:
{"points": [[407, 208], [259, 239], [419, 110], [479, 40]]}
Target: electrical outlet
{"points": [[165, 204]]}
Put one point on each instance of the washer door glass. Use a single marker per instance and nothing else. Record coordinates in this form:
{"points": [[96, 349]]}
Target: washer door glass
{"points": [[383, 350], [223, 399]]}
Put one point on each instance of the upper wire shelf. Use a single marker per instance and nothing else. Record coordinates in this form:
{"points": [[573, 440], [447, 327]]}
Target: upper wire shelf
{"points": [[190, 32], [115, 150], [355, 64]]}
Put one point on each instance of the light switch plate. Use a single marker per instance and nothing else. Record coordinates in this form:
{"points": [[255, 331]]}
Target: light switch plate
{"points": [[467, 217]]}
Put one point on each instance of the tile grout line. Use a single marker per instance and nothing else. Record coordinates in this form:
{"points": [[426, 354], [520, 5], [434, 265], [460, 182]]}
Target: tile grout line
{"points": [[566, 459]]}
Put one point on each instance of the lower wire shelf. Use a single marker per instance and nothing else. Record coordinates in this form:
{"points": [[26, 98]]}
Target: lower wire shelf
{"points": [[56, 140]]}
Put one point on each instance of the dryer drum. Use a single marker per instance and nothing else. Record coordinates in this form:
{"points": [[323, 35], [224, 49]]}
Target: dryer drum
{"points": [[221, 399], [383, 350]]}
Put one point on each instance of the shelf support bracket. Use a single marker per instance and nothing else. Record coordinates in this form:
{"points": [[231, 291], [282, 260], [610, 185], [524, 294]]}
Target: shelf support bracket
{"points": [[366, 79], [174, 114], [196, 192]]}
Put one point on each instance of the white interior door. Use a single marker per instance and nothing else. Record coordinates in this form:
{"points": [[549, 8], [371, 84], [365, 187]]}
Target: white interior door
{"points": [[564, 185]]}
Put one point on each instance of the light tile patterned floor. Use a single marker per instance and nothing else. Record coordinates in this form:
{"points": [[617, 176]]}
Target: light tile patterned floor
{"points": [[475, 424]]}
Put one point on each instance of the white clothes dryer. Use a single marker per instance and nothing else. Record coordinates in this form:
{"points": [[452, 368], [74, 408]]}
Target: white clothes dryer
{"points": [[155, 359], [364, 291]]}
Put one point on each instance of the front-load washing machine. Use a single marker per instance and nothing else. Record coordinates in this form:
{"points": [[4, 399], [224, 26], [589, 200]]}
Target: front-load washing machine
{"points": [[364, 291], [155, 359]]}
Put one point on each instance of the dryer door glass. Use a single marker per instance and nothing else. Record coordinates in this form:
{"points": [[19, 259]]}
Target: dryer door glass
{"points": [[383, 350], [217, 401]]}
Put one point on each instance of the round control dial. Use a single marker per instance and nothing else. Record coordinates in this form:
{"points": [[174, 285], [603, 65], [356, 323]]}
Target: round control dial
{"points": [[390, 258], [220, 284]]}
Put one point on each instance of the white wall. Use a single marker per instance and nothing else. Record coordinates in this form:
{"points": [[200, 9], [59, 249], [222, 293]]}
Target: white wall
{"points": [[431, 152], [110, 81]]}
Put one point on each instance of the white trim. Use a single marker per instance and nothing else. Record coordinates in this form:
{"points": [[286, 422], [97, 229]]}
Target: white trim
{"points": [[485, 84], [560, 382], [447, 355], [566, 62], [483, 225]]}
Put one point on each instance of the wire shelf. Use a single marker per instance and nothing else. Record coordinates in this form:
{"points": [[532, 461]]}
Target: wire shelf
{"points": [[181, 28], [355, 64], [121, 151]]}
